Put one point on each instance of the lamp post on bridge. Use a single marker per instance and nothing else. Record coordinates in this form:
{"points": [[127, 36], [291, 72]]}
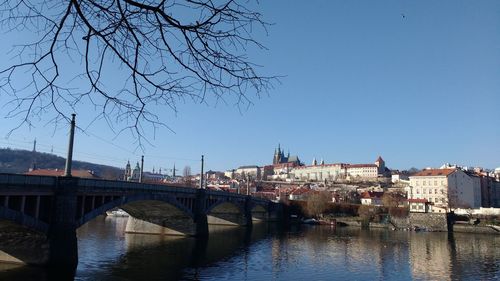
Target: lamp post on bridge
{"points": [[201, 173], [69, 158], [142, 169]]}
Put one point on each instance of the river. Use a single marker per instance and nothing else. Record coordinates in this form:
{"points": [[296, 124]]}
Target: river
{"points": [[268, 252]]}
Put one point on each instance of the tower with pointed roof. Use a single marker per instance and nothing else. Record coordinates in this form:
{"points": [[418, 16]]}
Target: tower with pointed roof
{"points": [[279, 157], [380, 164], [128, 171]]}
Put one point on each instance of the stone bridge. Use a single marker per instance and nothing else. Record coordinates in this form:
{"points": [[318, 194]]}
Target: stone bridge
{"points": [[39, 215]]}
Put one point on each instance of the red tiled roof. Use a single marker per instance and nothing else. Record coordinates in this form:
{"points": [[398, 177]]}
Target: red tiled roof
{"points": [[434, 173], [372, 194], [300, 191], [59, 173], [360, 165]]}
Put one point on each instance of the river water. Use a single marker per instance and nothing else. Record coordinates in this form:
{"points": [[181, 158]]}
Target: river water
{"points": [[269, 252]]}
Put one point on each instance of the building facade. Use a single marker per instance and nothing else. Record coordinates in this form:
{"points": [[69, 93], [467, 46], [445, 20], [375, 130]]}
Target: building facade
{"points": [[332, 172], [252, 171], [366, 171], [445, 189], [318, 172]]}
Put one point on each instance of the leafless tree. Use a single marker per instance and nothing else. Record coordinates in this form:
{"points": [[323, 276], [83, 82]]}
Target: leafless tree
{"points": [[186, 174], [453, 200], [317, 203], [163, 52], [391, 200]]}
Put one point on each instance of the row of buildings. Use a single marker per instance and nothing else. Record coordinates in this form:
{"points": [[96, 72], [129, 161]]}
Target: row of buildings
{"points": [[448, 188], [291, 169], [430, 190]]}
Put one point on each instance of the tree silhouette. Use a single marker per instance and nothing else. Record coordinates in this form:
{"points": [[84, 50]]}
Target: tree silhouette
{"points": [[163, 52], [186, 174], [317, 203]]}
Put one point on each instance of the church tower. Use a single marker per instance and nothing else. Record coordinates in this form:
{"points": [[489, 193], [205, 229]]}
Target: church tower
{"points": [[128, 172], [277, 156], [380, 164]]}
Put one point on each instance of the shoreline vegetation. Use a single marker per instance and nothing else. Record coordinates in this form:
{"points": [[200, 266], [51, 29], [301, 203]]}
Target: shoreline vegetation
{"points": [[394, 218]]}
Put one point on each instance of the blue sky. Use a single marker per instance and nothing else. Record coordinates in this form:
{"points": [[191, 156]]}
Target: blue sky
{"points": [[359, 80]]}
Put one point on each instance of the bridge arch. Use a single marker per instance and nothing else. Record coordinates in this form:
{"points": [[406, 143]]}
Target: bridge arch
{"points": [[227, 213], [132, 205], [259, 213], [151, 213]]}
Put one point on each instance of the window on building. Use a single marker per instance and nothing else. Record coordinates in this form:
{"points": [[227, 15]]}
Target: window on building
{"points": [[420, 207], [413, 207], [424, 183], [435, 191], [417, 191], [435, 182]]}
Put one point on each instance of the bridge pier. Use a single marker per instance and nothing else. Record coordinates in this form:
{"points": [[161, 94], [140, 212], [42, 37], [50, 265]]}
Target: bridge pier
{"points": [[276, 212], [63, 250], [200, 217], [248, 211]]}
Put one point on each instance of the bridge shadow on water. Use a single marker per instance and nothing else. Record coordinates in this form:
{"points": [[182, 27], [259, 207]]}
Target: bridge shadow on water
{"points": [[111, 254]]}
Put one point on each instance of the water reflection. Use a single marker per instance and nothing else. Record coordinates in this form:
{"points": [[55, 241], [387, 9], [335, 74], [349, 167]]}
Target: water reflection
{"points": [[166, 257], [268, 252]]}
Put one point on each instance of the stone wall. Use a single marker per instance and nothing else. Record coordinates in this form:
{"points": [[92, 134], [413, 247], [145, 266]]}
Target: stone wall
{"points": [[400, 223], [428, 221]]}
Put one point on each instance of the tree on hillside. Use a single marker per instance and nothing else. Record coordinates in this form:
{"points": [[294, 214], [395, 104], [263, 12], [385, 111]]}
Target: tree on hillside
{"points": [[317, 203], [391, 200], [413, 171], [162, 52]]}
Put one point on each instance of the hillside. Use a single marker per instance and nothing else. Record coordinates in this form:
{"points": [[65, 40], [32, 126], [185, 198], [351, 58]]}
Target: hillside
{"points": [[19, 161]]}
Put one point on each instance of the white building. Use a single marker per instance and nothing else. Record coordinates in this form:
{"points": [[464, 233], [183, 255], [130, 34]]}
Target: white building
{"points": [[229, 173], [372, 198], [497, 173], [445, 188], [362, 170], [395, 178], [317, 172], [252, 171]]}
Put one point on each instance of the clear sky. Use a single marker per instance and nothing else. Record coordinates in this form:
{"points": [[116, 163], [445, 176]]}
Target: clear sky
{"points": [[417, 82]]}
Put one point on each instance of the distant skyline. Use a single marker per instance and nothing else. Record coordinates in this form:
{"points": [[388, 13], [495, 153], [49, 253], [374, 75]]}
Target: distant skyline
{"points": [[416, 82]]}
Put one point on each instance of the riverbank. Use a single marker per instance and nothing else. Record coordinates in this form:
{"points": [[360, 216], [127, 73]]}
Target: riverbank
{"points": [[433, 224]]}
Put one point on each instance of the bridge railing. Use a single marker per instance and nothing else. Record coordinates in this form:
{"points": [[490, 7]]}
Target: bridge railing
{"points": [[26, 180]]}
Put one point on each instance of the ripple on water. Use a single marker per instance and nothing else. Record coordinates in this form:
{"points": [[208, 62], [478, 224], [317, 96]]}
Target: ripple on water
{"points": [[302, 253]]}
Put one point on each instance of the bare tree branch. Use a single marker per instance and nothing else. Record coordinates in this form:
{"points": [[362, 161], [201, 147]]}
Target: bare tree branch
{"points": [[161, 53]]}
